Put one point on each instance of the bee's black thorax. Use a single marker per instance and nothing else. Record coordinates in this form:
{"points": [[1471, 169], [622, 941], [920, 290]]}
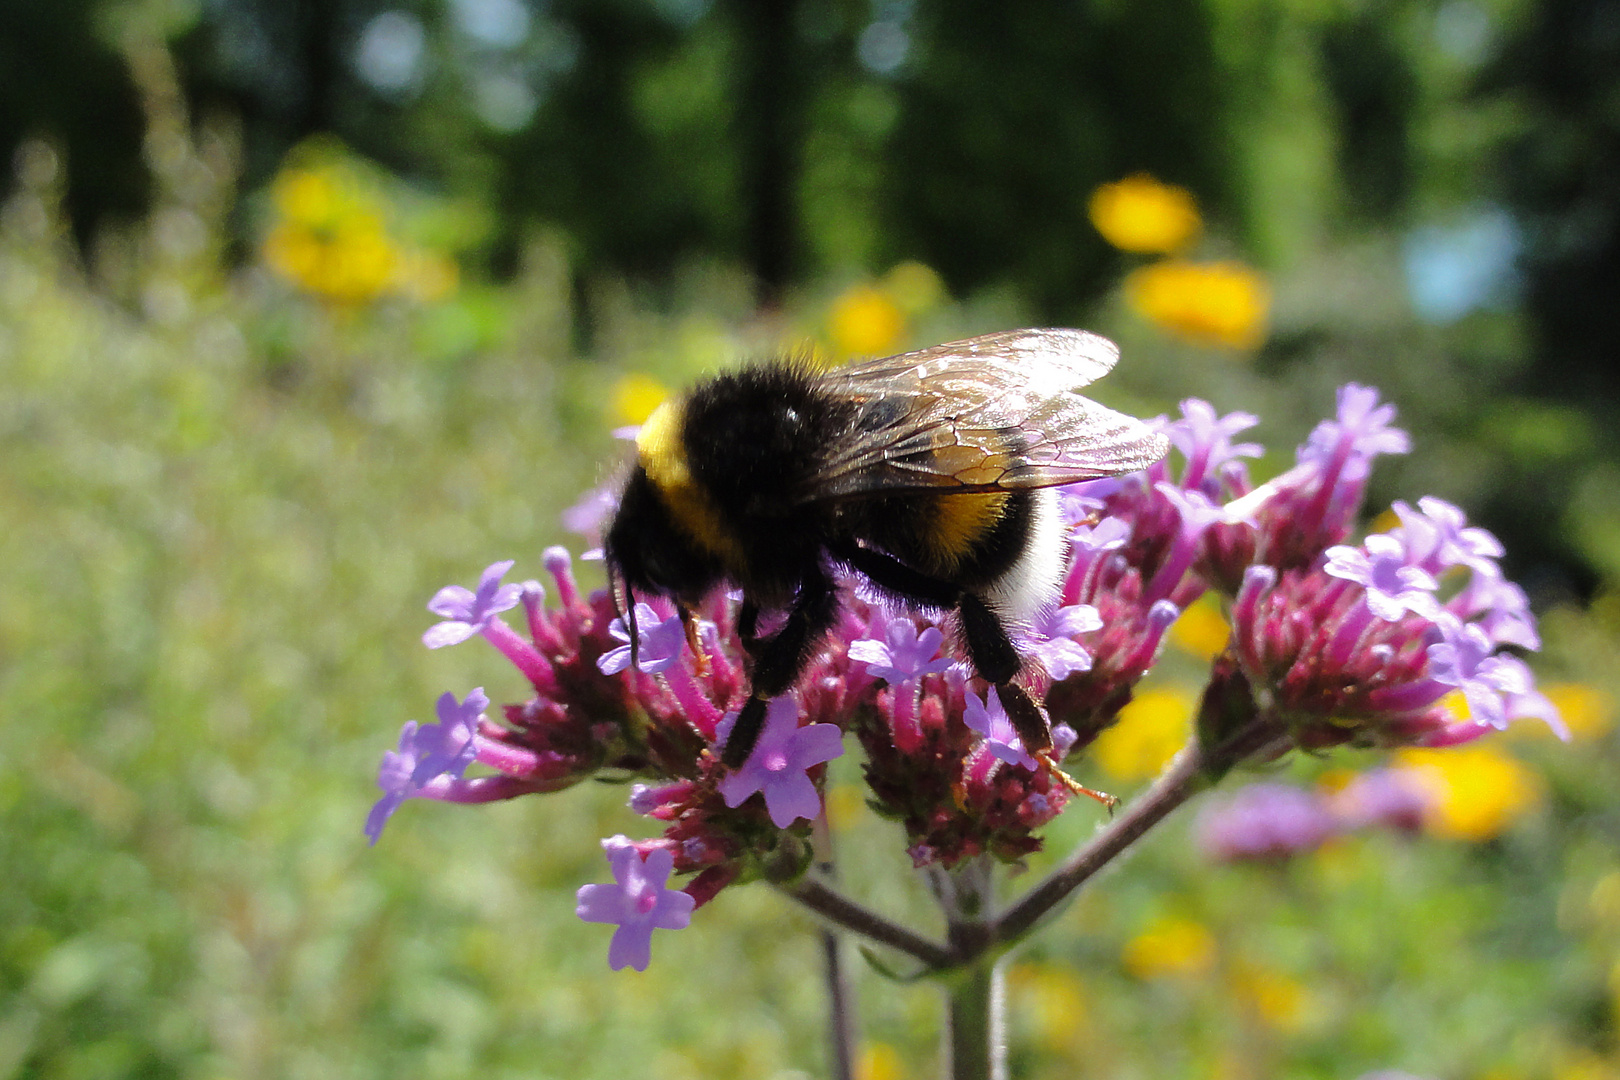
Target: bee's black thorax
{"points": [[754, 441], [755, 438]]}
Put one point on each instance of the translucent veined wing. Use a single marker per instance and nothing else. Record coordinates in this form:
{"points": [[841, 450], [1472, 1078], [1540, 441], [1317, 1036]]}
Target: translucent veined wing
{"points": [[988, 413]]}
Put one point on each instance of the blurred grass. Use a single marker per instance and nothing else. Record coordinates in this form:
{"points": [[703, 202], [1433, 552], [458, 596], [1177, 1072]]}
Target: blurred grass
{"points": [[224, 506]]}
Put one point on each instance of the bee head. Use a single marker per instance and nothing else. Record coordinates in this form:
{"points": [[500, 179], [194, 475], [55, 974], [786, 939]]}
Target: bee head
{"points": [[647, 552]]}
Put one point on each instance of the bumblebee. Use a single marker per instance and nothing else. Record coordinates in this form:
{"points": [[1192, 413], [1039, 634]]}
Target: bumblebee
{"points": [[928, 473]]}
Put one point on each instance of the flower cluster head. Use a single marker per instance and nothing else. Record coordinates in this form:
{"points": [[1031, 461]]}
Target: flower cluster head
{"points": [[1410, 637]]}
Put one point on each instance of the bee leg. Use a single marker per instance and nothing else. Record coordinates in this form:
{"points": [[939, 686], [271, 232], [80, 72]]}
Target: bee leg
{"points": [[700, 659], [893, 576], [748, 627], [1110, 801], [744, 733], [989, 646], [779, 661], [996, 658], [1029, 719]]}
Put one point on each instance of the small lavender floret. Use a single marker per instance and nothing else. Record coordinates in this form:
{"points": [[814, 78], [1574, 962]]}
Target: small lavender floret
{"points": [[1359, 432], [1448, 538], [1466, 658], [988, 718], [1205, 439], [779, 764], [1107, 535], [658, 645], [588, 517], [1499, 606], [466, 613], [904, 655], [1057, 650], [637, 903], [1394, 586], [425, 753]]}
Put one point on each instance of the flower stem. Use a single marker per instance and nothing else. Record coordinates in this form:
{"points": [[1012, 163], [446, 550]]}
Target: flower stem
{"points": [[841, 1031], [840, 910], [975, 1044], [1185, 777]]}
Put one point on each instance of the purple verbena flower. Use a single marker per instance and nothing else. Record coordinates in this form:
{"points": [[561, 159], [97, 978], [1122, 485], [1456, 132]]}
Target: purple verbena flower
{"points": [[658, 645], [1465, 658], [988, 718], [1440, 534], [1331, 670], [1265, 821], [1205, 440], [904, 655], [466, 613], [1082, 502], [1107, 535], [1360, 432], [1056, 648], [1381, 566], [1325, 666], [1500, 608], [779, 764], [425, 754], [637, 903], [1295, 517], [1387, 798]]}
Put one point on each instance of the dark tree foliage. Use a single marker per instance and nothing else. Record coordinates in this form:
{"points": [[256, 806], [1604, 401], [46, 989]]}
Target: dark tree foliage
{"points": [[59, 80], [1561, 175], [1374, 90], [1013, 113], [629, 198], [283, 67]]}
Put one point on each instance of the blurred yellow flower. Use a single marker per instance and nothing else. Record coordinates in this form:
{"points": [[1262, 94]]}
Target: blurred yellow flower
{"points": [[312, 197], [330, 237], [635, 396], [879, 1061], [1222, 303], [1201, 630], [1141, 214], [866, 322], [1583, 1064], [1150, 730], [1051, 999], [845, 803], [1478, 791], [1277, 1000], [1170, 947], [914, 286]]}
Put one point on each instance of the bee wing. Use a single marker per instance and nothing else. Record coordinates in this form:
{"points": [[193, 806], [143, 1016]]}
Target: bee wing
{"points": [[988, 413]]}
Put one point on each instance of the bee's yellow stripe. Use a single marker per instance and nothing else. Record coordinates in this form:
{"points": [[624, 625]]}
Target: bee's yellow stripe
{"points": [[663, 456], [960, 522]]}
